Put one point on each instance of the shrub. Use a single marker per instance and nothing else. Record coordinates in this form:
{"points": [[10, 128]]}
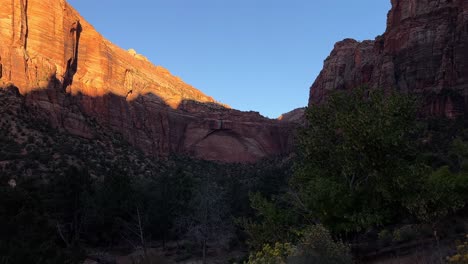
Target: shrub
{"points": [[278, 254], [461, 257], [315, 246], [318, 246]]}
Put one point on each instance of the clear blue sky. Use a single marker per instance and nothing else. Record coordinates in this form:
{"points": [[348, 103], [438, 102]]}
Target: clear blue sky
{"points": [[259, 55]]}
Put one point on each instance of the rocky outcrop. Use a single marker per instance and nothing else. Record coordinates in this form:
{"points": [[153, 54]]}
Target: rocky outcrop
{"points": [[296, 116], [70, 73], [423, 51]]}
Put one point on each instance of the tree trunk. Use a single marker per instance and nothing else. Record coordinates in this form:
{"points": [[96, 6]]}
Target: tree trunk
{"points": [[436, 236], [142, 238], [204, 251]]}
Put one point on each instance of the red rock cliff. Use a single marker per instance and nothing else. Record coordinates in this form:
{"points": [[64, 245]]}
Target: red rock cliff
{"points": [[60, 63], [424, 51]]}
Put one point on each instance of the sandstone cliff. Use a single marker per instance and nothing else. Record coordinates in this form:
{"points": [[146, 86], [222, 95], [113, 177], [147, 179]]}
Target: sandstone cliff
{"points": [[423, 51], [297, 115], [69, 72]]}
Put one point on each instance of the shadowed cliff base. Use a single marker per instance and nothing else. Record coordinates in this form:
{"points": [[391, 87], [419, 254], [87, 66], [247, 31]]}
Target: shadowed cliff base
{"points": [[71, 72], [202, 130]]}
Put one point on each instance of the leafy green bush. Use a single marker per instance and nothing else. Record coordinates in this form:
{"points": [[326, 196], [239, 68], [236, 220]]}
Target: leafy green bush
{"points": [[278, 254], [273, 223], [439, 194], [318, 246], [461, 255], [315, 246]]}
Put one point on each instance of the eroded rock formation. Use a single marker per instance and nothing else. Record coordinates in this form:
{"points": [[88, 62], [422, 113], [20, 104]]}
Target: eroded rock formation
{"points": [[297, 115], [423, 51], [70, 73]]}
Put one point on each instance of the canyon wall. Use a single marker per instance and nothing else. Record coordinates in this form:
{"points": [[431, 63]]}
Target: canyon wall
{"points": [[423, 51], [69, 72]]}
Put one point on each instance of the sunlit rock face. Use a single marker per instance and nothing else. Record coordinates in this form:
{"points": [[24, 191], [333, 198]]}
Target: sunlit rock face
{"points": [[297, 115], [70, 73], [423, 51], [48, 38]]}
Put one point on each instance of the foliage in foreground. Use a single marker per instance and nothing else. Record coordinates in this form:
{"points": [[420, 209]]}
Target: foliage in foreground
{"points": [[366, 160], [359, 160], [362, 166], [315, 246], [461, 256]]}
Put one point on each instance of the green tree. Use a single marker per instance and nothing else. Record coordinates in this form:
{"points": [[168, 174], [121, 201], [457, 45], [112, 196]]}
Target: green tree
{"points": [[444, 190], [440, 194], [358, 157], [274, 222]]}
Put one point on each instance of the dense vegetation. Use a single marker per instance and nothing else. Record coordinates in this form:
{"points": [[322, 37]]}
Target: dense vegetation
{"points": [[62, 195], [368, 168], [367, 161]]}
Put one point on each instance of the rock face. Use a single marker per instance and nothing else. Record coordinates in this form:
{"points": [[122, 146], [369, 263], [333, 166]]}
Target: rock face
{"points": [[423, 51], [297, 115], [60, 63]]}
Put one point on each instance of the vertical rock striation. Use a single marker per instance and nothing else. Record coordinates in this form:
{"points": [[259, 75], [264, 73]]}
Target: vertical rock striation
{"points": [[423, 51], [70, 74]]}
